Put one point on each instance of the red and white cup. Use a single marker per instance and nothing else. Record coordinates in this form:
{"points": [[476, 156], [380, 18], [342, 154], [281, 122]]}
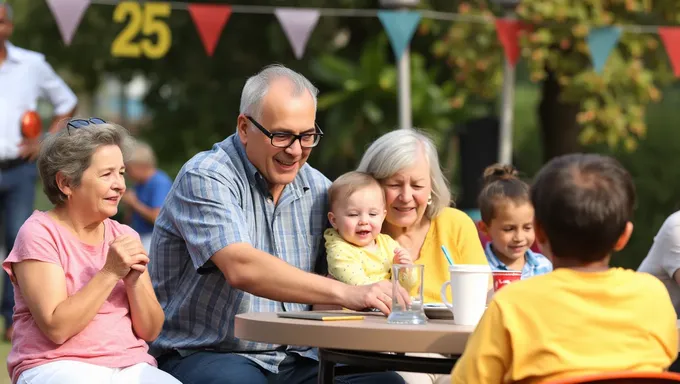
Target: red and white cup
{"points": [[503, 278]]}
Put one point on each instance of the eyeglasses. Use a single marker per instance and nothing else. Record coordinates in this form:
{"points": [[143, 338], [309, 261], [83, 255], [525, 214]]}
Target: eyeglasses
{"points": [[286, 139], [79, 123]]}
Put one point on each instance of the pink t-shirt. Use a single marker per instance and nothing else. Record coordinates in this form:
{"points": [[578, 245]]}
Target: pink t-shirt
{"points": [[108, 340]]}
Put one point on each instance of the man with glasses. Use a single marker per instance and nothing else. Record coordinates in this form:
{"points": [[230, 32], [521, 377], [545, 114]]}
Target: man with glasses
{"points": [[25, 77], [241, 231]]}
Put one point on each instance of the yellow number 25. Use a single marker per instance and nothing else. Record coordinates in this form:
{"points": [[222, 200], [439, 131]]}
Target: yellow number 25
{"points": [[148, 21]]}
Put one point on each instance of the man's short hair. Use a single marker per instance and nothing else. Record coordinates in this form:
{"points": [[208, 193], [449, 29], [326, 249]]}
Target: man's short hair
{"points": [[344, 186], [583, 203]]}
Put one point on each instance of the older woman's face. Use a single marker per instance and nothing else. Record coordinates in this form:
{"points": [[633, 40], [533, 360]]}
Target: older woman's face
{"points": [[407, 193], [102, 184]]}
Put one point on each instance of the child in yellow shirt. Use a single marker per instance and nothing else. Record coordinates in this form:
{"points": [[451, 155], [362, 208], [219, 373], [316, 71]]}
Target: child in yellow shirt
{"points": [[584, 317], [356, 251]]}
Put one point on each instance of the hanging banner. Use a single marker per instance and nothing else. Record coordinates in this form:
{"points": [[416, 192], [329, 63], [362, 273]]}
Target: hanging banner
{"points": [[671, 40], [68, 14], [601, 41], [209, 20], [508, 35], [298, 24], [400, 27]]}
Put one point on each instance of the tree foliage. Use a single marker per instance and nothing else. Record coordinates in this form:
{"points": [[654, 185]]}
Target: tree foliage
{"points": [[612, 105]]}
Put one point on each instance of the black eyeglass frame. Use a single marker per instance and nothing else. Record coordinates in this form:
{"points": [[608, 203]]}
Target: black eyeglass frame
{"points": [[317, 135], [79, 123]]}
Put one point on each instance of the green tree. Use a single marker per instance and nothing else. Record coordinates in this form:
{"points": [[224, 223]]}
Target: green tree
{"points": [[361, 104], [577, 105]]}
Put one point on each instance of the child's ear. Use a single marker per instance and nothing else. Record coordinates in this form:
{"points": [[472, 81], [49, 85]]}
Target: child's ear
{"points": [[482, 227], [542, 240], [331, 219], [625, 236]]}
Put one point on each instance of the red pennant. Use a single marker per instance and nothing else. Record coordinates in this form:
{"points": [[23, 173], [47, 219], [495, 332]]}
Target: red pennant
{"points": [[209, 19], [508, 34], [671, 40]]}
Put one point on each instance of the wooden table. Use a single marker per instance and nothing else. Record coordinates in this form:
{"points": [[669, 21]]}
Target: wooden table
{"points": [[361, 343]]}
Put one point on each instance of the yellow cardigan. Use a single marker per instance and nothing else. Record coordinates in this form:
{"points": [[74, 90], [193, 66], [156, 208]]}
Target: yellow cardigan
{"points": [[457, 231]]}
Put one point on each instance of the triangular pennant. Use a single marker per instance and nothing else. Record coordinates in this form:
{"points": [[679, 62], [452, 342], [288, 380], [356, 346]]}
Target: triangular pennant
{"points": [[298, 24], [400, 27], [209, 19], [507, 32], [671, 40], [601, 41], [68, 14]]}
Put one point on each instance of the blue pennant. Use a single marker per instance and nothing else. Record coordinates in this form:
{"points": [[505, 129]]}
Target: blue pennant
{"points": [[400, 27], [601, 42]]}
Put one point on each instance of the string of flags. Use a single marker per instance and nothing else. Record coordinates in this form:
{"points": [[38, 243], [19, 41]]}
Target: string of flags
{"points": [[299, 23]]}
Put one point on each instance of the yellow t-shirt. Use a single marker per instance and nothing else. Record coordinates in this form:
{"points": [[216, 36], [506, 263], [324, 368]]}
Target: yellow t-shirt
{"points": [[357, 266], [457, 231], [570, 323]]}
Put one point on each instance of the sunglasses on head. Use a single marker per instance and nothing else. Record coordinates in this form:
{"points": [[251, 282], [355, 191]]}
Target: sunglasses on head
{"points": [[79, 123]]}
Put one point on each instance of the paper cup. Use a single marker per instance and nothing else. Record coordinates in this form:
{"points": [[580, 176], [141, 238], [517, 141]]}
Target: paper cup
{"points": [[503, 278]]}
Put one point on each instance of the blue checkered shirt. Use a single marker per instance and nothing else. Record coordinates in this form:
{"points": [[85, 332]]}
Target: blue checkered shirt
{"points": [[535, 263], [218, 199]]}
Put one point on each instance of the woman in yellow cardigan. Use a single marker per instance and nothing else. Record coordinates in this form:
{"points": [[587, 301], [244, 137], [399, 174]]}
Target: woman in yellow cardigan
{"points": [[419, 218]]}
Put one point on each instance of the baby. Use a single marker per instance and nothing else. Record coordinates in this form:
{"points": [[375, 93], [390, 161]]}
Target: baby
{"points": [[356, 251]]}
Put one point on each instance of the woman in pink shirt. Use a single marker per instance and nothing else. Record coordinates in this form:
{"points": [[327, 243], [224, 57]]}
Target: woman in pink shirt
{"points": [[85, 306]]}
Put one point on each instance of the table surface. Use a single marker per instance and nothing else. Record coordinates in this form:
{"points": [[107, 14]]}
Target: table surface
{"points": [[370, 334]]}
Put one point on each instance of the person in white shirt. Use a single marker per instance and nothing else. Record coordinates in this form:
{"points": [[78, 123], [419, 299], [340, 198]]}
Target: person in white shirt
{"points": [[663, 259], [25, 77]]}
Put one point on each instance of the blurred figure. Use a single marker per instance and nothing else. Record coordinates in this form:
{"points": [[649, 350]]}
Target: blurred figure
{"points": [[25, 76], [151, 187]]}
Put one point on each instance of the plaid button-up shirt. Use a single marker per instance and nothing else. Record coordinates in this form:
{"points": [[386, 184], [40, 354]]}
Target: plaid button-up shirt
{"points": [[535, 263], [219, 198]]}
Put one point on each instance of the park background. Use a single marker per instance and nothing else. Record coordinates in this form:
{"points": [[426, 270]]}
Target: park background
{"points": [[186, 100]]}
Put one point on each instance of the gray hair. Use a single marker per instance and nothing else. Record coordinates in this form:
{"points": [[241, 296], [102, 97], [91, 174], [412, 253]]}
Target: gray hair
{"points": [[141, 153], [256, 88], [9, 14], [399, 149], [70, 151]]}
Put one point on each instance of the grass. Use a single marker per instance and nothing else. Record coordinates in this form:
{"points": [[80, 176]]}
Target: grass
{"points": [[4, 351]]}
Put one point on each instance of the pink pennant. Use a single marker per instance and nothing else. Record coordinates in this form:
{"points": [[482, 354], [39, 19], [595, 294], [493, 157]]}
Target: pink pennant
{"points": [[68, 14], [297, 24]]}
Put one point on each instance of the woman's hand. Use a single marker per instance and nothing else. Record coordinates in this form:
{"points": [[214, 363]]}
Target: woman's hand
{"points": [[126, 259]]}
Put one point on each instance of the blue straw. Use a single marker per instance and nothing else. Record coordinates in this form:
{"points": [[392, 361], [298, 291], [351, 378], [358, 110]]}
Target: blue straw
{"points": [[447, 255]]}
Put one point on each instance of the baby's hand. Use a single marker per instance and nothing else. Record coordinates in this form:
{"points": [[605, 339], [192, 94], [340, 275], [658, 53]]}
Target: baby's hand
{"points": [[401, 256]]}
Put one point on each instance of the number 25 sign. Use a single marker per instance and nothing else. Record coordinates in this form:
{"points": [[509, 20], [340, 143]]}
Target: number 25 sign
{"points": [[147, 19]]}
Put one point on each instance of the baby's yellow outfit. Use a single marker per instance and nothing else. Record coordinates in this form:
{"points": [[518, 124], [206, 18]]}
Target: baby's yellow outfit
{"points": [[357, 266]]}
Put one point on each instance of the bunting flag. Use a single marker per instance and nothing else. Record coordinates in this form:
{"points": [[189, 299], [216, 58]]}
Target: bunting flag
{"points": [[210, 20], [400, 27], [298, 24], [671, 40], [68, 14], [508, 31], [601, 41]]}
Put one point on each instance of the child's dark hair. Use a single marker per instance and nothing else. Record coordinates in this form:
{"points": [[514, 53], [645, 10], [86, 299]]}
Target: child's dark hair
{"points": [[501, 183], [583, 202]]}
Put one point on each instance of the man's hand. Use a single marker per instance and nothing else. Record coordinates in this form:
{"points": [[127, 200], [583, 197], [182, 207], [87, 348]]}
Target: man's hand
{"points": [[29, 148], [401, 256], [377, 295]]}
